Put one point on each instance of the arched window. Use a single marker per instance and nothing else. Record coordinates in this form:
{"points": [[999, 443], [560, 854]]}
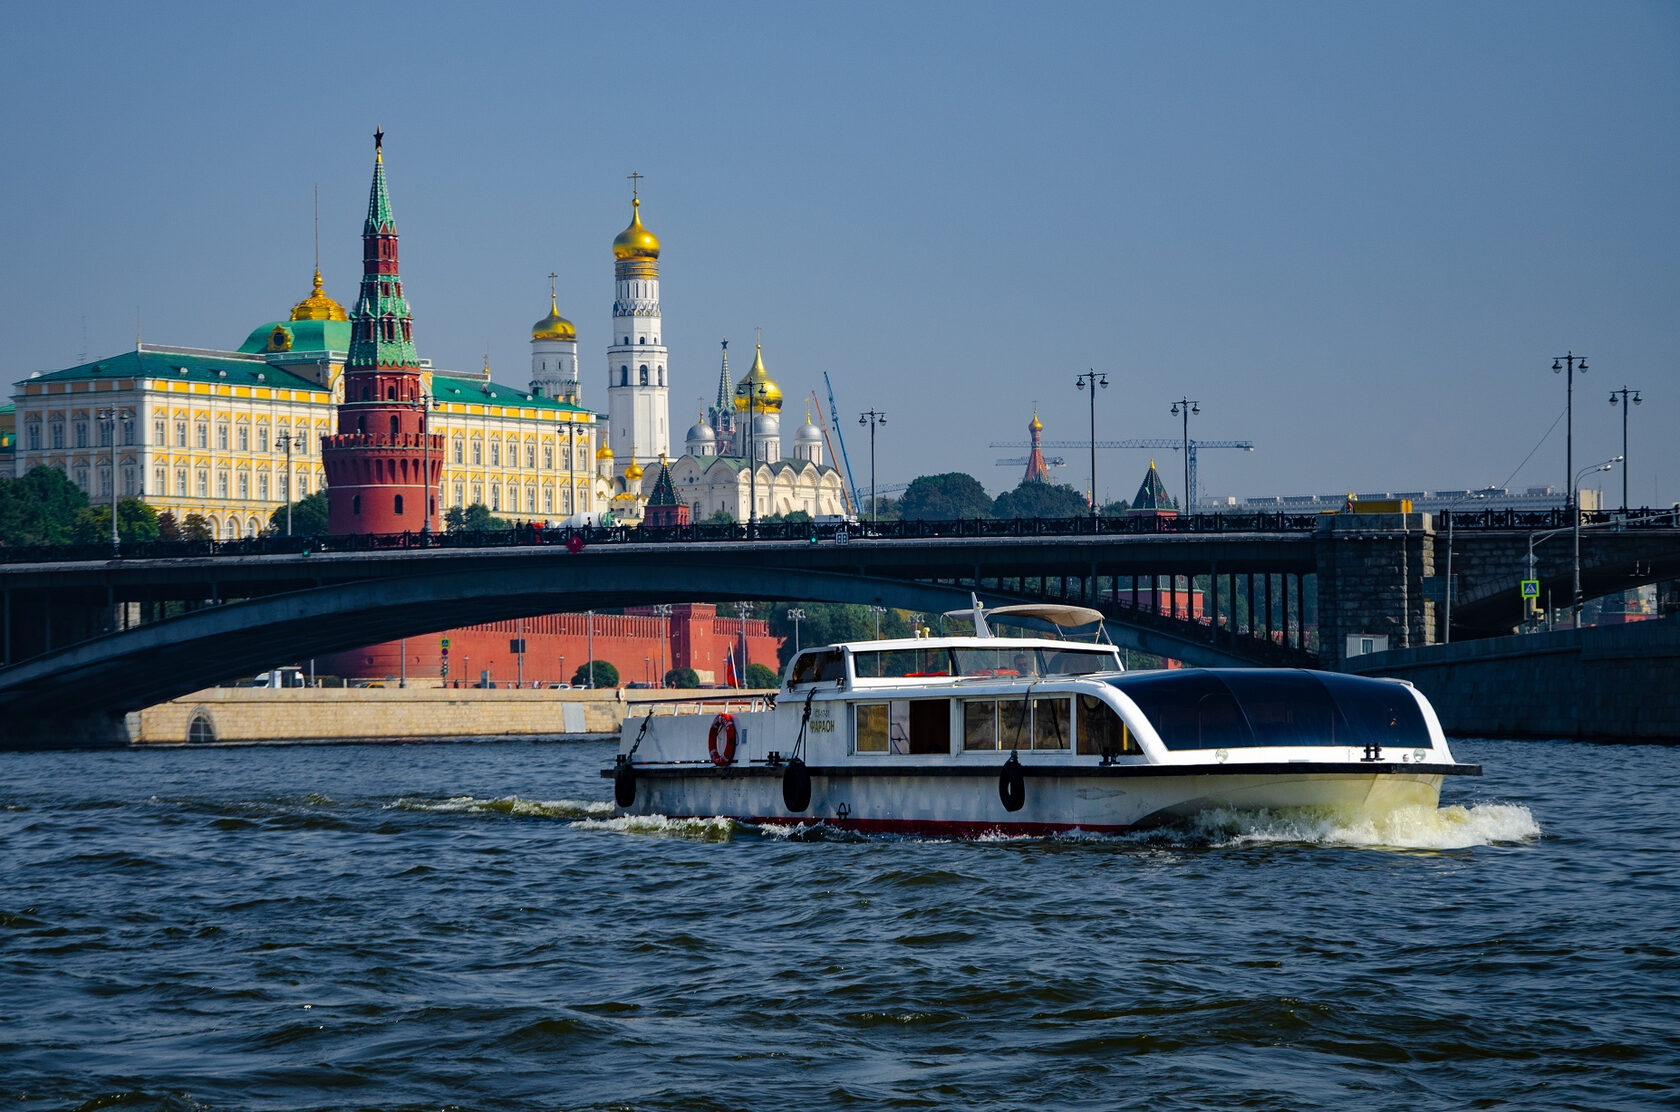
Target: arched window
{"points": [[624, 376], [398, 504], [393, 426], [644, 372], [662, 376], [390, 393], [356, 504], [361, 425]]}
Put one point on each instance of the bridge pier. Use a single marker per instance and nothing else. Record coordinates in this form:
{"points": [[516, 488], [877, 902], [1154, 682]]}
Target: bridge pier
{"points": [[1376, 577]]}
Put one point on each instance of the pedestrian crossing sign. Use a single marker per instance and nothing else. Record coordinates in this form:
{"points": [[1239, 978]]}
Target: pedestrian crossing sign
{"points": [[1531, 588]]}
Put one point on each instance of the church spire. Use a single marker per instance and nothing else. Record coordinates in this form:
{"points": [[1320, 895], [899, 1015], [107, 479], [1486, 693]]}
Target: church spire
{"points": [[726, 386], [383, 333]]}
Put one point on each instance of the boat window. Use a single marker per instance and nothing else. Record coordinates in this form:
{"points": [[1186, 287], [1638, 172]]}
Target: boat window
{"points": [[1232, 708], [929, 723], [1074, 663], [1014, 724], [1102, 732], [980, 729], [817, 667], [997, 662], [1050, 723], [871, 728], [934, 660]]}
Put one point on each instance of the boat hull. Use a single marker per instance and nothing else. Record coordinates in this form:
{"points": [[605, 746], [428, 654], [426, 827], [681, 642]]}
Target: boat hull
{"points": [[967, 801]]}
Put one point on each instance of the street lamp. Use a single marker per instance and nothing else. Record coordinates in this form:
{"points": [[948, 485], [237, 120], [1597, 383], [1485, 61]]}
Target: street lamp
{"points": [[1188, 407], [1636, 400], [1575, 524], [873, 418], [664, 612], [114, 417], [796, 615], [288, 441], [1560, 365], [1446, 627], [571, 463], [425, 405], [877, 611], [743, 609], [1095, 380]]}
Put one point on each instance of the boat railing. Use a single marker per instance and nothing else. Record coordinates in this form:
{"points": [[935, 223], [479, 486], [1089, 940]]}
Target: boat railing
{"points": [[734, 703]]}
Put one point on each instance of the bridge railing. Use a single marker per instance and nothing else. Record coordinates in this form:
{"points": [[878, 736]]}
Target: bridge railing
{"points": [[524, 534]]}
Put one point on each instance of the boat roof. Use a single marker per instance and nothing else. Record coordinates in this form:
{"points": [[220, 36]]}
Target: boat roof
{"points": [[899, 644]]}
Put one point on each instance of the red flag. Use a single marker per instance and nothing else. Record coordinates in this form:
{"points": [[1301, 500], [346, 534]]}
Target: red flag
{"points": [[729, 676]]}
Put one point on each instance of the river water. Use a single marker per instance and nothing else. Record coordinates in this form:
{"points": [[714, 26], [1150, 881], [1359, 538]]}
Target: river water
{"points": [[425, 927]]}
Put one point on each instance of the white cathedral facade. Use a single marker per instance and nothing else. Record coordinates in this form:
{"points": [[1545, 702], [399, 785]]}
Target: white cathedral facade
{"points": [[731, 457]]}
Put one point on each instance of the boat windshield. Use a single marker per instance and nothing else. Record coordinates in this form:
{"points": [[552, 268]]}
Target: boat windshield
{"points": [[1241, 708], [1007, 661]]}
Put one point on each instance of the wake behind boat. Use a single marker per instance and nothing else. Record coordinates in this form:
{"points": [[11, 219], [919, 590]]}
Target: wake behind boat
{"points": [[1022, 727]]}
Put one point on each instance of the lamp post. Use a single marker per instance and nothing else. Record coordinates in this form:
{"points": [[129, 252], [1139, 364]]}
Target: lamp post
{"points": [[589, 681], [1187, 406], [288, 441], [877, 611], [743, 609], [664, 612], [571, 463], [796, 615], [1446, 632], [1567, 365], [873, 418], [1095, 381], [426, 405], [1636, 400], [1575, 525], [114, 417]]}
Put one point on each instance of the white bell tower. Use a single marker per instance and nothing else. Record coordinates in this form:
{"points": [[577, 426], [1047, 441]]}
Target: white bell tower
{"points": [[638, 392]]}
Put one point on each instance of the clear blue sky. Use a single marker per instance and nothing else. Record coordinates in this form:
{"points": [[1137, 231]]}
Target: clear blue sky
{"points": [[1357, 233]]}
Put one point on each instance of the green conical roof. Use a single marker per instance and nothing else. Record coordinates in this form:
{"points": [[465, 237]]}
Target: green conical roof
{"points": [[379, 218]]}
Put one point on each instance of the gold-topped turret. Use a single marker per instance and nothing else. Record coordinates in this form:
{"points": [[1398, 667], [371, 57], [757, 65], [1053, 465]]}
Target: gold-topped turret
{"points": [[766, 396], [554, 326], [318, 306], [635, 242], [1036, 425]]}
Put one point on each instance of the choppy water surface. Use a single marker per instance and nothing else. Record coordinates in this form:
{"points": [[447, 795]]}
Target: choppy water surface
{"points": [[466, 925]]}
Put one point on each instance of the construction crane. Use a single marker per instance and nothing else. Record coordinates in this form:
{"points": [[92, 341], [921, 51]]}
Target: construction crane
{"points": [[1021, 461], [1173, 445], [822, 423], [845, 460]]}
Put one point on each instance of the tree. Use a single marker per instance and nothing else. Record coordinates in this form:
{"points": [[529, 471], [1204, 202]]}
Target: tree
{"points": [[946, 497], [136, 522], [1118, 508], [792, 517], [682, 677], [168, 528], [759, 675], [309, 517], [476, 518], [41, 507], [1041, 500], [720, 516], [196, 527], [827, 623], [605, 675]]}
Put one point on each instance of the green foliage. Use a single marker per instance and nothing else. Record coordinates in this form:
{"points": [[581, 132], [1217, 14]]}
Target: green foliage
{"points": [[309, 517], [475, 518], [40, 508], [682, 677], [759, 675], [196, 527], [1118, 508], [168, 528], [605, 675], [1041, 500], [136, 522], [793, 517], [721, 516], [826, 623], [946, 497]]}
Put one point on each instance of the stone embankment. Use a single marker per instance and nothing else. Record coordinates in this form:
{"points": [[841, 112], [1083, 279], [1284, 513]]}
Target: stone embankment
{"points": [[233, 714]]}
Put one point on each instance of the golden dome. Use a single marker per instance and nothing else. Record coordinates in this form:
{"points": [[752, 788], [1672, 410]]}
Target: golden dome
{"points": [[767, 396], [1037, 425], [554, 326], [634, 471], [603, 452], [636, 242], [318, 306]]}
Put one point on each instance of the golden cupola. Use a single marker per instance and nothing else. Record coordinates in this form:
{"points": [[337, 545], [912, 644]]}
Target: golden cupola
{"points": [[766, 396], [1036, 425], [554, 326], [634, 471], [635, 242], [318, 306]]}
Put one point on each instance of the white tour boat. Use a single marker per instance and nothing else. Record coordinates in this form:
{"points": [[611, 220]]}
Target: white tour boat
{"points": [[1033, 730]]}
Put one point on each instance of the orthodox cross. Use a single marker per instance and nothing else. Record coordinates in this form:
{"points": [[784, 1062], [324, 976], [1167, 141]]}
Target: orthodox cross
{"points": [[635, 181], [551, 277]]}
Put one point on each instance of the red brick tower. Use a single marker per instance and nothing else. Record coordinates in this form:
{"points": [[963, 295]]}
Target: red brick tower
{"points": [[383, 466]]}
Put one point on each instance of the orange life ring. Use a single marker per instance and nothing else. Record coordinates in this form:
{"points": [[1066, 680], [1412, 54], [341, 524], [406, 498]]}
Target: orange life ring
{"points": [[723, 725]]}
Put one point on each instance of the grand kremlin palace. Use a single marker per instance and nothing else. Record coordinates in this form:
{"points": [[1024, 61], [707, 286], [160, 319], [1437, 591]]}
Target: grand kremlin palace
{"points": [[233, 436]]}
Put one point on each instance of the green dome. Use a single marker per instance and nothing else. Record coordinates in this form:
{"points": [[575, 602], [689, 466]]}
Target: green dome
{"points": [[300, 335]]}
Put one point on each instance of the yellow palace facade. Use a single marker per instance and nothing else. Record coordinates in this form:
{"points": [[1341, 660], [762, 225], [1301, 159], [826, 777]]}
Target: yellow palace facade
{"points": [[233, 436]]}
